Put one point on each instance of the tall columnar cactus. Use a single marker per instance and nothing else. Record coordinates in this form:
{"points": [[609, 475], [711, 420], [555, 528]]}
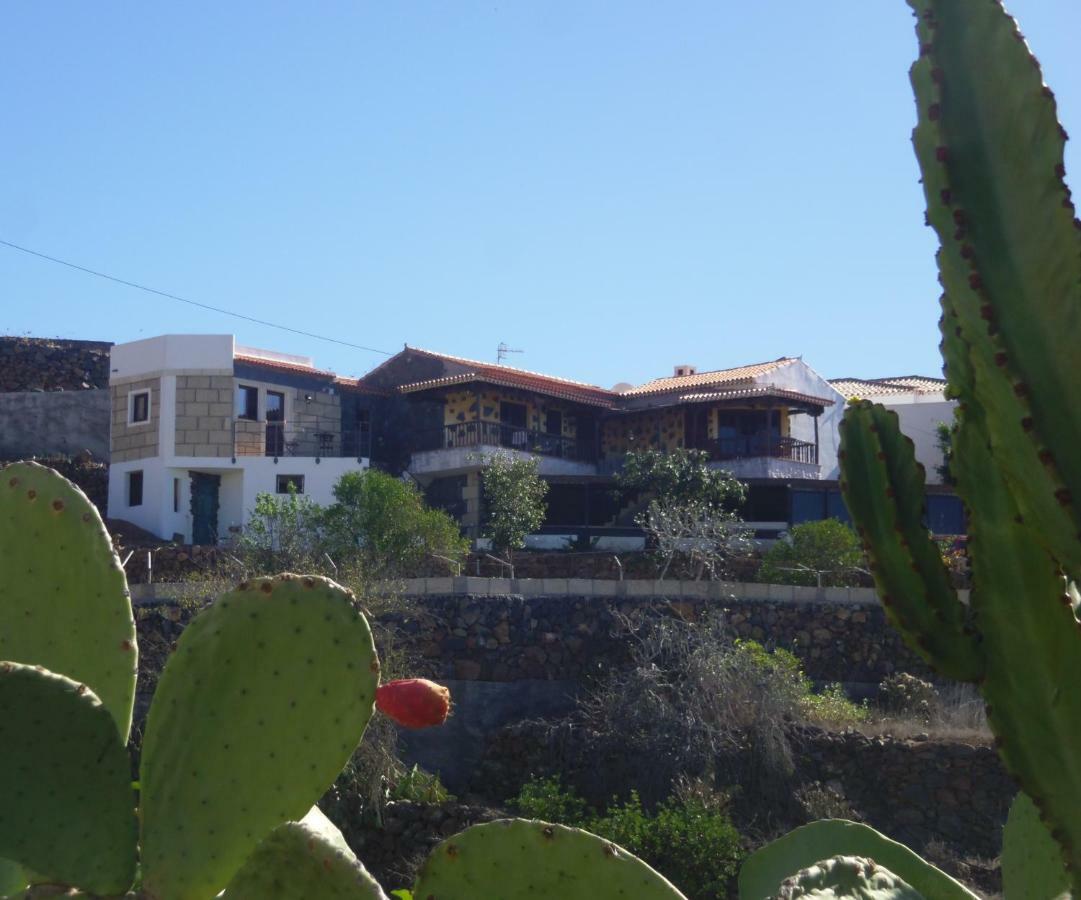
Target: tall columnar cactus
{"points": [[991, 152]]}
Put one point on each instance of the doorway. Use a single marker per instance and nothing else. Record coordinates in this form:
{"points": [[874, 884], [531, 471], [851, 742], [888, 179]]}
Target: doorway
{"points": [[275, 423], [205, 493]]}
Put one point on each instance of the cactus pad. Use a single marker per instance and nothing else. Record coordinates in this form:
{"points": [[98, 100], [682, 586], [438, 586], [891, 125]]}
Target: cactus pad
{"points": [[64, 598], [846, 877], [765, 869], [12, 879], [67, 810], [304, 859], [518, 859], [257, 711], [1031, 861]]}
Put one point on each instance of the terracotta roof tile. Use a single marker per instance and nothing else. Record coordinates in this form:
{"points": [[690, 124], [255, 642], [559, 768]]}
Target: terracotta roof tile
{"points": [[283, 366], [878, 387], [767, 391], [708, 379], [509, 376]]}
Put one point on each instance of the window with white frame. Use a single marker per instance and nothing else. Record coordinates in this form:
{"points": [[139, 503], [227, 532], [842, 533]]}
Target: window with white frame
{"points": [[139, 407]]}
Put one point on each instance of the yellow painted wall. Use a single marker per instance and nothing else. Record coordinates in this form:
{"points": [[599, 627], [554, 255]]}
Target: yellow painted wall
{"points": [[461, 406], [657, 429]]}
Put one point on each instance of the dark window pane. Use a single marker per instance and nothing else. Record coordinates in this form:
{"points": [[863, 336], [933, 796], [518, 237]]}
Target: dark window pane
{"points": [[275, 406], [247, 402], [140, 407], [836, 509], [945, 514], [287, 481], [135, 488], [808, 506]]}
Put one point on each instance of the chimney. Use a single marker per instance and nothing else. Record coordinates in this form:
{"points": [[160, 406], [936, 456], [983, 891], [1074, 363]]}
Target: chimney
{"points": [[680, 371]]}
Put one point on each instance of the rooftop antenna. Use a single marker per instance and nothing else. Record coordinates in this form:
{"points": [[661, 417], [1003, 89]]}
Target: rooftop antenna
{"points": [[501, 352]]}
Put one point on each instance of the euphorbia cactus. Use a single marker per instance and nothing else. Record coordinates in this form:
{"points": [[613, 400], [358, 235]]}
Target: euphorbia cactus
{"points": [[991, 152]]}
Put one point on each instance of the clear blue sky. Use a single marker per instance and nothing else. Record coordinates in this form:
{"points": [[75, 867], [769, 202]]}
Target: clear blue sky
{"points": [[613, 187]]}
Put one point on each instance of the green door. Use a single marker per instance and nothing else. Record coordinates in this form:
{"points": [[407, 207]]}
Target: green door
{"points": [[204, 508]]}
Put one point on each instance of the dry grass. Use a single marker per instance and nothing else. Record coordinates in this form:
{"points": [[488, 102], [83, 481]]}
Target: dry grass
{"points": [[957, 715]]}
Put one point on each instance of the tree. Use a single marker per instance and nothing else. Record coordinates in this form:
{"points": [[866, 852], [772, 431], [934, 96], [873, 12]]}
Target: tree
{"points": [[680, 476], [944, 441], [284, 533], [384, 523], [829, 547], [514, 500], [706, 537]]}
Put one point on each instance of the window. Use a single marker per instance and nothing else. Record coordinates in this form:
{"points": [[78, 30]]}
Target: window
{"points": [[553, 421], [176, 495], [135, 488], [138, 407], [285, 482], [247, 402]]}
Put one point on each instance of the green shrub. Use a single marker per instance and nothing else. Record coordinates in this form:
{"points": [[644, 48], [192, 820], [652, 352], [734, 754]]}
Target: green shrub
{"points": [[833, 708], [548, 799], [689, 838], [418, 786], [828, 547]]}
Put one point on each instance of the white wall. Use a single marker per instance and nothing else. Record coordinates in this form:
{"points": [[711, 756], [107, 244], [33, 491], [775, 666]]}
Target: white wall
{"points": [[798, 376], [919, 415], [157, 495], [181, 352]]}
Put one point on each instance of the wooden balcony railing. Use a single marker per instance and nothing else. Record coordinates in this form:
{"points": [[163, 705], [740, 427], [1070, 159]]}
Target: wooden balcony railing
{"points": [[763, 444], [495, 434]]}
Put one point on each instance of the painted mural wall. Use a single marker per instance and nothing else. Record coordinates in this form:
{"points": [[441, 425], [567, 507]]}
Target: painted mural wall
{"points": [[461, 406]]}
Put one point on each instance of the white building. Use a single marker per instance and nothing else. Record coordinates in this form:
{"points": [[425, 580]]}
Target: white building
{"points": [[200, 426], [921, 406]]}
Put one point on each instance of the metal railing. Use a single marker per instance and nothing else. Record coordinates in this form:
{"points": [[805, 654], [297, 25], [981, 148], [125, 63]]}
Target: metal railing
{"points": [[763, 444], [280, 439], [496, 434]]}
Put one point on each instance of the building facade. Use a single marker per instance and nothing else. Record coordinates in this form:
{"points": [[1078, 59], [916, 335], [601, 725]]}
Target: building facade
{"points": [[200, 426]]}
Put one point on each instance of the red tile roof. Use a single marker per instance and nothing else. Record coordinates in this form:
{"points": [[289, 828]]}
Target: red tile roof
{"points": [[708, 379], [508, 376], [765, 391], [284, 366], [877, 387]]}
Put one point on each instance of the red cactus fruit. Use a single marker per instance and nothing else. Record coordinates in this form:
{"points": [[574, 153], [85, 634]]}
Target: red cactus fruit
{"points": [[413, 702]]}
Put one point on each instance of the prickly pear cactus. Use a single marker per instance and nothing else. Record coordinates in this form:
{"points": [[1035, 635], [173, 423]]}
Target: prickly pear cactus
{"points": [[1031, 860], [517, 859], [64, 598], [261, 705], [300, 860], [846, 876], [68, 809], [761, 875]]}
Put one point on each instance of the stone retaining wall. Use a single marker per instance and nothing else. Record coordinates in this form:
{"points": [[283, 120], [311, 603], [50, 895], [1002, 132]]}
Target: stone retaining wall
{"points": [[509, 638]]}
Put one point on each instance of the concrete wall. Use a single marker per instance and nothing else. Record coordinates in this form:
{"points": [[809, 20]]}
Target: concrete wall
{"points": [[919, 416], [57, 422], [178, 353], [799, 376]]}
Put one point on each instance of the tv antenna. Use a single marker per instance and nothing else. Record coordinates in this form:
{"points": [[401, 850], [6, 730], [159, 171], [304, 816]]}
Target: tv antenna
{"points": [[502, 350]]}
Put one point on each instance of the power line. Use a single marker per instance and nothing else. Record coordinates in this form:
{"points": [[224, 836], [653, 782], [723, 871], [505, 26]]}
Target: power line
{"points": [[217, 309]]}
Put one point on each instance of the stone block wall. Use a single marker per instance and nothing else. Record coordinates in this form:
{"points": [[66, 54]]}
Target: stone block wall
{"points": [[204, 415], [52, 364], [559, 638], [140, 441]]}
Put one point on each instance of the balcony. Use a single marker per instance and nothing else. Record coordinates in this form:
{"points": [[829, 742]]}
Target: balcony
{"points": [[287, 439], [459, 446], [763, 444]]}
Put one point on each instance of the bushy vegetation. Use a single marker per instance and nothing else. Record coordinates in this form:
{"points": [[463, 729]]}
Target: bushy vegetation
{"points": [[377, 527], [679, 476], [828, 549], [688, 837], [514, 503]]}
